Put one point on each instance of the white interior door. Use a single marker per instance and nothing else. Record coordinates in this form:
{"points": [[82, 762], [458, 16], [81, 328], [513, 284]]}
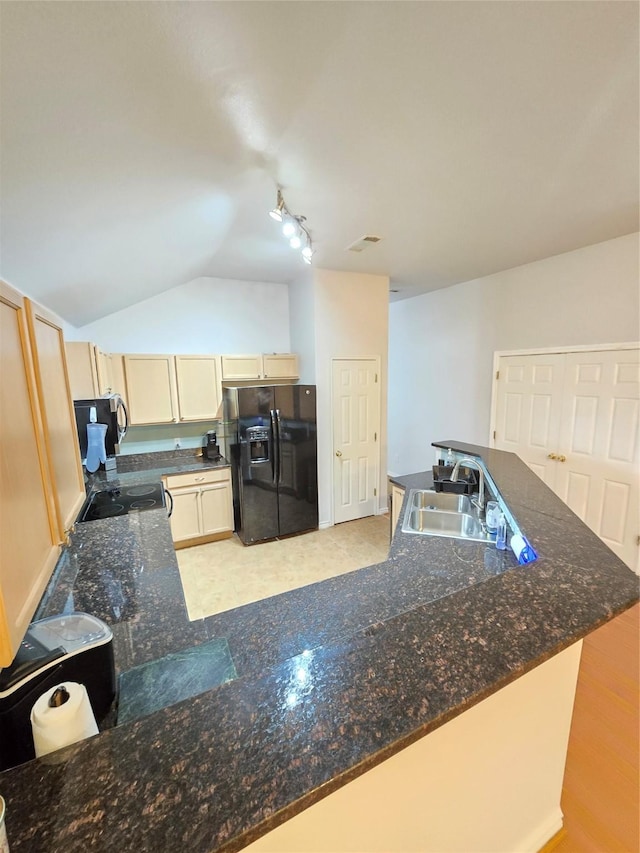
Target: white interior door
{"points": [[574, 418], [356, 427], [529, 405], [598, 470]]}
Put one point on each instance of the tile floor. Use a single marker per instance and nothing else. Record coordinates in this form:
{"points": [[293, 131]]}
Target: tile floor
{"points": [[222, 575]]}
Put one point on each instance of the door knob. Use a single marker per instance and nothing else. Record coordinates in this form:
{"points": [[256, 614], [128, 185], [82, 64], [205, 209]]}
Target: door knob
{"points": [[551, 456], [338, 453], [561, 458]]}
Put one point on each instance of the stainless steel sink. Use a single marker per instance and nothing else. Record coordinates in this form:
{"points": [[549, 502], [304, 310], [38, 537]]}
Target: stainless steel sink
{"points": [[443, 514], [427, 499]]}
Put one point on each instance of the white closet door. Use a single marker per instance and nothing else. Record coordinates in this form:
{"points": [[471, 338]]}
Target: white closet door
{"points": [[529, 404], [356, 424], [600, 477]]}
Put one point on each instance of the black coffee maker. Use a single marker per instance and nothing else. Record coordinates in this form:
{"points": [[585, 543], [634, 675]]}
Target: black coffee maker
{"points": [[210, 449]]}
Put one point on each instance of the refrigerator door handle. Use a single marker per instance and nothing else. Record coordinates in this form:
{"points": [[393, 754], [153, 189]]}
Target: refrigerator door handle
{"points": [[279, 423], [275, 448]]}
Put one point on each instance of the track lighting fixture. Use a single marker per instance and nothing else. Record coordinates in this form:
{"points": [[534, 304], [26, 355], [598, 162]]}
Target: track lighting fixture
{"points": [[293, 228]]}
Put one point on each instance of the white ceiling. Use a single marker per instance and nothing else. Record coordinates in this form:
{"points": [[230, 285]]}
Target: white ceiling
{"points": [[142, 142]]}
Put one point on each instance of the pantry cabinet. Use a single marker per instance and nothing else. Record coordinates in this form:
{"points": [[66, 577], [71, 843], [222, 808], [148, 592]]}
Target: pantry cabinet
{"points": [[29, 544], [269, 366], [58, 418], [202, 506]]}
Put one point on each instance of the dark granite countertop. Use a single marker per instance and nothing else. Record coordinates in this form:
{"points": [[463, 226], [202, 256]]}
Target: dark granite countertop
{"points": [[388, 653], [150, 467]]}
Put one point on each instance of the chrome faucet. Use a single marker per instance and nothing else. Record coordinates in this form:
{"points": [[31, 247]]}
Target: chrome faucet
{"points": [[466, 460]]}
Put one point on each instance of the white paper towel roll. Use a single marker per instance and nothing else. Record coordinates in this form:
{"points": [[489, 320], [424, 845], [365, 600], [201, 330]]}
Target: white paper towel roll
{"points": [[56, 727]]}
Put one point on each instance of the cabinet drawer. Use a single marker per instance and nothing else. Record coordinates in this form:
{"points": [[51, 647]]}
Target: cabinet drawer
{"points": [[198, 478]]}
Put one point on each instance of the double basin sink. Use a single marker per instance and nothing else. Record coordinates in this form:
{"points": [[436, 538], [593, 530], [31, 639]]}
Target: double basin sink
{"points": [[433, 513]]}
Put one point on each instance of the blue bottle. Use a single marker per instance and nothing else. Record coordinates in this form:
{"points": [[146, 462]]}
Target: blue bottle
{"points": [[501, 533]]}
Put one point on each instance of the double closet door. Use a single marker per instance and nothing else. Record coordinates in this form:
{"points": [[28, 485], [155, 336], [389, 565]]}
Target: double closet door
{"points": [[574, 418]]}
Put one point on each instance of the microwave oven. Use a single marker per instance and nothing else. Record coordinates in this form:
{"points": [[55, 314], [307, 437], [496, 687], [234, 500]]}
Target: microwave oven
{"points": [[110, 410]]}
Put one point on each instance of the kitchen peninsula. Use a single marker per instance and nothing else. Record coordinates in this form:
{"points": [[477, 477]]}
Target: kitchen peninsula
{"points": [[334, 679]]}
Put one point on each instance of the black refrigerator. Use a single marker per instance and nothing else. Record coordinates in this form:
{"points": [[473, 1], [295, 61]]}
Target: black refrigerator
{"points": [[272, 447]]}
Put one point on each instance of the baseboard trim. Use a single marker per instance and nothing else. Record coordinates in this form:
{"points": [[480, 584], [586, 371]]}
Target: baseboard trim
{"points": [[202, 540], [553, 842], [544, 836]]}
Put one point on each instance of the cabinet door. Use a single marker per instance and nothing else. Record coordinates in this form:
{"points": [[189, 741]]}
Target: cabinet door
{"points": [[397, 497], [185, 518], [117, 376], [103, 369], [81, 366], [280, 366], [217, 510], [199, 387], [151, 389], [241, 367], [54, 396], [28, 529]]}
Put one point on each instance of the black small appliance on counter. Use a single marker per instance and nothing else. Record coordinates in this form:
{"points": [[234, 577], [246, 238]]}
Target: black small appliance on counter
{"points": [[73, 647], [110, 410], [211, 450]]}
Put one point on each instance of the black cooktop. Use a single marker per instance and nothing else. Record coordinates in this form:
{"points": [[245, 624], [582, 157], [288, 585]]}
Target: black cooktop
{"points": [[122, 500]]}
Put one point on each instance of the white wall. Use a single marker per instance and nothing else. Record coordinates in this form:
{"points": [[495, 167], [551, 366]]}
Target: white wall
{"points": [[351, 321], [302, 325], [441, 344], [205, 315]]}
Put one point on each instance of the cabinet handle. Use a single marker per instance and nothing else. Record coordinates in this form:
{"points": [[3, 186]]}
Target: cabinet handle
{"points": [[338, 453], [199, 479], [562, 458], [551, 456]]}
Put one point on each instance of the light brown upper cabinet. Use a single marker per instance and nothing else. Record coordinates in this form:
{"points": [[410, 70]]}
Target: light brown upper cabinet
{"points": [[276, 366], [56, 406], [164, 389], [151, 389], [28, 525], [199, 387], [280, 366], [82, 369], [93, 372]]}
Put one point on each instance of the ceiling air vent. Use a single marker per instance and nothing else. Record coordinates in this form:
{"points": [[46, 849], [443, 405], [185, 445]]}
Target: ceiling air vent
{"points": [[361, 244]]}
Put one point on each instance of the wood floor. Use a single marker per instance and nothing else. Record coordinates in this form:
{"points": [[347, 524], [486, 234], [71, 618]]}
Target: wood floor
{"points": [[601, 793]]}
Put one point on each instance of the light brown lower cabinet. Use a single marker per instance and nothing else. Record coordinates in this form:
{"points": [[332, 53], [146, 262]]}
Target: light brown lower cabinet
{"points": [[202, 507], [397, 496]]}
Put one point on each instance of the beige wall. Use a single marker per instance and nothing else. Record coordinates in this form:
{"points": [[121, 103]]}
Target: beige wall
{"points": [[351, 321]]}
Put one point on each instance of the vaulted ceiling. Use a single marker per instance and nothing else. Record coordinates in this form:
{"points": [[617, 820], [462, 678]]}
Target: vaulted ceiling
{"points": [[142, 142]]}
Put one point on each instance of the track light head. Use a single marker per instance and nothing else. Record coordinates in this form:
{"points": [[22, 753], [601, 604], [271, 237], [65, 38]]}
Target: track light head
{"points": [[276, 213], [288, 227]]}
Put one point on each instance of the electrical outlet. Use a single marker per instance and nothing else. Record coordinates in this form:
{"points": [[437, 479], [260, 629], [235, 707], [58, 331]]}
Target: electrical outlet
{"points": [[178, 445]]}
